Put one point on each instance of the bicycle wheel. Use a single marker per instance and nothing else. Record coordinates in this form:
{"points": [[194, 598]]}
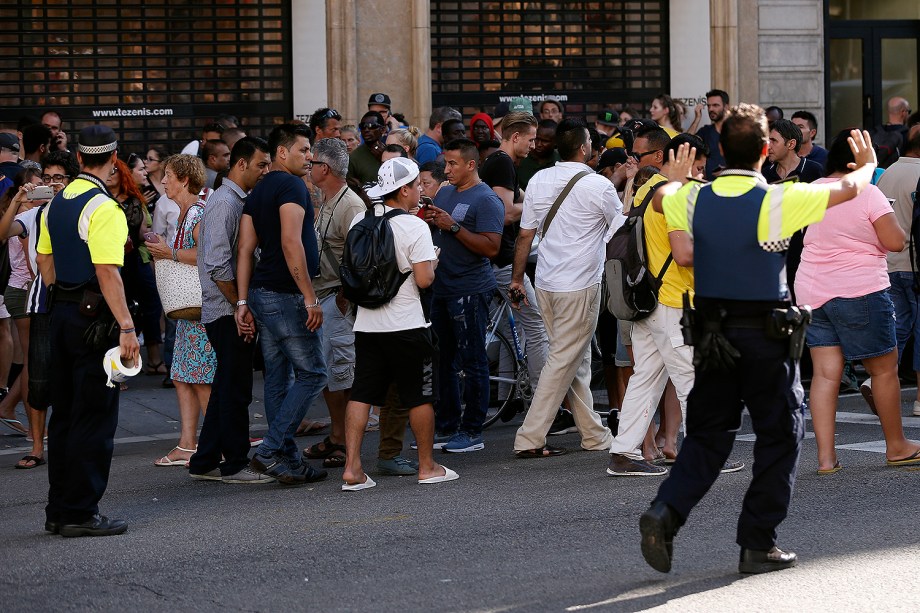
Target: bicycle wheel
{"points": [[503, 377]]}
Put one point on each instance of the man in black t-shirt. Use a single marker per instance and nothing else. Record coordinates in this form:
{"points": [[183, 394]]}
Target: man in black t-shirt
{"points": [[278, 218], [498, 171]]}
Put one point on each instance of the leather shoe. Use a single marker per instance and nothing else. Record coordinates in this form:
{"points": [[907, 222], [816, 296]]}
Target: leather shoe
{"points": [[756, 562], [658, 525], [97, 525], [52, 526]]}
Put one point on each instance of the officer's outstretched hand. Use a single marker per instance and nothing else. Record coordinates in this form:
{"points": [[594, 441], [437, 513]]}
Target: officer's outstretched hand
{"points": [[130, 348], [680, 165], [861, 146]]}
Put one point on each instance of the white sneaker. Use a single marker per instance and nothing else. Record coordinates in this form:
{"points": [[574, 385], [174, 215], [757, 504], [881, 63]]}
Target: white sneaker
{"points": [[916, 408]]}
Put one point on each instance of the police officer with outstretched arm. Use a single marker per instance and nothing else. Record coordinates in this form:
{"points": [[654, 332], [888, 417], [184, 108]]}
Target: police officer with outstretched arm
{"points": [[80, 251], [747, 338]]}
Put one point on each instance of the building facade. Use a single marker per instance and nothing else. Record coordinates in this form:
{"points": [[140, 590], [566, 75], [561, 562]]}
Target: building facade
{"points": [[156, 70]]}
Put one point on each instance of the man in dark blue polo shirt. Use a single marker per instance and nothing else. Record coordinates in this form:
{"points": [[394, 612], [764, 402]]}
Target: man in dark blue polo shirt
{"points": [[278, 218], [468, 219]]}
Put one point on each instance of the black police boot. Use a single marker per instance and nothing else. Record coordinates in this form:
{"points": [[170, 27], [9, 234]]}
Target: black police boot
{"points": [[756, 562], [52, 526], [658, 525], [97, 525]]}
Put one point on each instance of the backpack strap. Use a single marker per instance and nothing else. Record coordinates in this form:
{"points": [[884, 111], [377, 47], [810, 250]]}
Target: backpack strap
{"points": [[562, 196], [910, 239], [640, 210]]}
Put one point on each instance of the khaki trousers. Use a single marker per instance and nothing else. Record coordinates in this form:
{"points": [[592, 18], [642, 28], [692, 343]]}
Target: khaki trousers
{"points": [[570, 319]]}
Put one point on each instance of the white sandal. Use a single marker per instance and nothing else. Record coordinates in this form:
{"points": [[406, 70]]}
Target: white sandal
{"points": [[165, 461]]}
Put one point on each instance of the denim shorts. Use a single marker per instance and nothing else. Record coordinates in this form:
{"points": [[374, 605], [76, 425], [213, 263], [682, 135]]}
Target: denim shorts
{"points": [[862, 327]]}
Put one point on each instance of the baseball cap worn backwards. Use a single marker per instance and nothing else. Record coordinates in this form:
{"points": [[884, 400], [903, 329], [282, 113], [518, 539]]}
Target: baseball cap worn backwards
{"points": [[392, 175], [9, 141], [521, 105]]}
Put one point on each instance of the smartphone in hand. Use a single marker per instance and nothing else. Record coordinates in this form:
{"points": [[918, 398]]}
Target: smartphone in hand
{"points": [[151, 237], [41, 192], [424, 203]]}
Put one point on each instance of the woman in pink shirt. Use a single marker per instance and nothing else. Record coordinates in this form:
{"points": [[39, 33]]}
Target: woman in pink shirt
{"points": [[844, 277]]}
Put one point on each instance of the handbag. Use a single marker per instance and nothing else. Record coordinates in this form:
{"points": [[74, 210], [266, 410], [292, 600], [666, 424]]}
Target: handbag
{"points": [[179, 287]]}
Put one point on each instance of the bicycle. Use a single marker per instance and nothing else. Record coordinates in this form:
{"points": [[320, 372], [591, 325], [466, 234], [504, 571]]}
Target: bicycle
{"points": [[510, 390]]}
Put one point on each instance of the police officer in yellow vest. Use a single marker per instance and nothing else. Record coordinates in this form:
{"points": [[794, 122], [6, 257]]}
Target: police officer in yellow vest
{"points": [[80, 251], [746, 336]]}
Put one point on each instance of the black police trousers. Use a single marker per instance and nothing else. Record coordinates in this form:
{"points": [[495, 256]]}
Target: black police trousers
{"points": [[226, 423], [762, 380], [84, 417]]}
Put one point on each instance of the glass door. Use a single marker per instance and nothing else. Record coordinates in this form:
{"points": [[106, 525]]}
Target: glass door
{"points": [[869, 62]]}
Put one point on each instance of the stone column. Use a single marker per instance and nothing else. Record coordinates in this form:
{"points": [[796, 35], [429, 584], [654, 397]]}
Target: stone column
{"points": [[723, 17], [791, 55], [342, 59]]}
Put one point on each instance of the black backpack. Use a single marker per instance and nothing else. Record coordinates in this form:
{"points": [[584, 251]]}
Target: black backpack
{"points": [[369, 272], [632, 292], [888, 141]]}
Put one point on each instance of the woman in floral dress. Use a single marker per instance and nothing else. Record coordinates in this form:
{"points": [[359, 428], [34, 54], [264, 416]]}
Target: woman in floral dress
{"points": [[194, 360]]}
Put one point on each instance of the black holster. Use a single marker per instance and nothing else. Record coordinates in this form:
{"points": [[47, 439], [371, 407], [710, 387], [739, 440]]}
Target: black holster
{"points": [[703, 330], [790, 324]]}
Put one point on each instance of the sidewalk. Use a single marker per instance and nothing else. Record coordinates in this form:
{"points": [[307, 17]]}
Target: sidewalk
{"points": [[148, 412]]}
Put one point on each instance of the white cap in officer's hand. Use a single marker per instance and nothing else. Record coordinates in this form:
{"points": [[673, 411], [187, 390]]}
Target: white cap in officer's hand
{"points": [[115, 370]]}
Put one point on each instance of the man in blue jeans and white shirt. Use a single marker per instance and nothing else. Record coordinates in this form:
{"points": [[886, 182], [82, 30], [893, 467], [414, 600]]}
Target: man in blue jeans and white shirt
{"points": [[468, 219], [278, 218]]}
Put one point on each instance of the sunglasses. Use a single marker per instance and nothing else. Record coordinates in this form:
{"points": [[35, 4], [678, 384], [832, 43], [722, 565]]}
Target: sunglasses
{"points": [[330, 114], [132, 160], [370, 126], [638, 156]]}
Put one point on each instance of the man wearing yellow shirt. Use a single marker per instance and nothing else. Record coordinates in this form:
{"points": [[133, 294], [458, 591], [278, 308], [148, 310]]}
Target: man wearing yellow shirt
{"points": [[80, 251], [739, 227], [659, 351]]}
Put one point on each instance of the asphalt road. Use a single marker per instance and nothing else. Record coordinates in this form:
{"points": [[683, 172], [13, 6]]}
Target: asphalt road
{"points": [[511, 535]]}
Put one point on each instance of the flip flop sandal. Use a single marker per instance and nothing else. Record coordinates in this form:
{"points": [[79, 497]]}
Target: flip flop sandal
{"points": [[448, 475], [336, 460], [322, 449], [15, 425], [830, 471], [357, 487], [36, 462], [543, 452], [909, 461], [315, 427], [165, 461], [152, 370]]}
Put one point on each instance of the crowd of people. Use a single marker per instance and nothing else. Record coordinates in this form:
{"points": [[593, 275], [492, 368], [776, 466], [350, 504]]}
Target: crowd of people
{"points": [[263, 226]]}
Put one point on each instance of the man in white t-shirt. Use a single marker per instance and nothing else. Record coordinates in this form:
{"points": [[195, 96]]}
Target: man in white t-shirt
{"points": [[393, 343], [568, 286]]}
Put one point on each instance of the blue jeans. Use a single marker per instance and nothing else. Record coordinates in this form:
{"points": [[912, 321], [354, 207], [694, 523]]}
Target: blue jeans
{"points": [[905, 312], [460, 324], [287, 345]]}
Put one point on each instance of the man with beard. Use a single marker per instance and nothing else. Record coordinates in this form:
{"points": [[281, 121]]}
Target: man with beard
{"points": [[716, 103]]}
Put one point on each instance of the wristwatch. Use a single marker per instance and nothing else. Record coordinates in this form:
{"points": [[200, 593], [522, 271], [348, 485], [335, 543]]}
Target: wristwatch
{"points": [[454, 228]]}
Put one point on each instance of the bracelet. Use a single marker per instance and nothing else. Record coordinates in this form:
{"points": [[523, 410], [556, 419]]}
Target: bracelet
{"points": [[314, 305], [127, 330], [240, 303], [175, 255]]}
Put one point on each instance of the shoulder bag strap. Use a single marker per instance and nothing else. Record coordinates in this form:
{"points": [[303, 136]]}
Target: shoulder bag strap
{"points": [[565, 192], [640, 210]]}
